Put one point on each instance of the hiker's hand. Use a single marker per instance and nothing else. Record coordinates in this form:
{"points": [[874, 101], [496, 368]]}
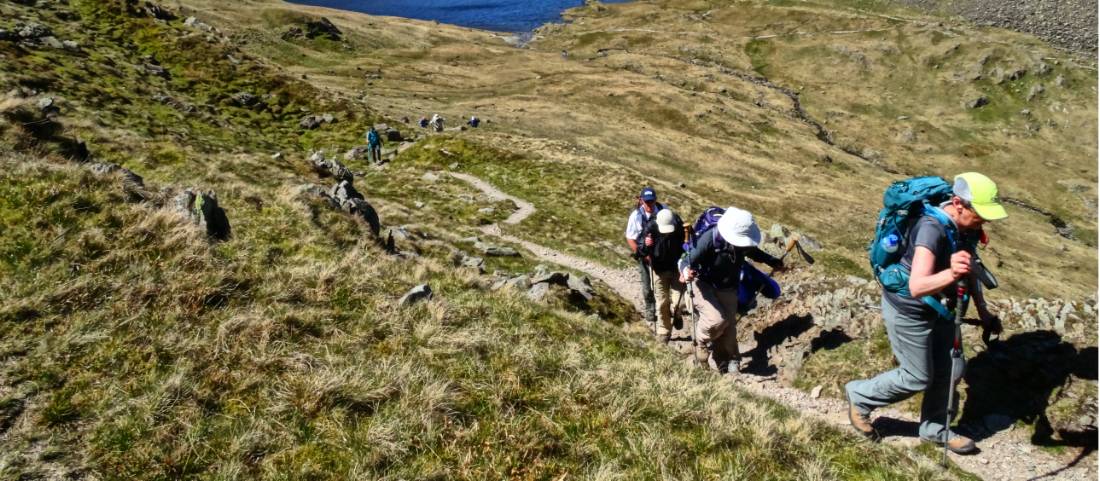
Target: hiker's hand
{"points": [[991, 323], [648, 240], [778, 266], [687, 275], [960, 264]]}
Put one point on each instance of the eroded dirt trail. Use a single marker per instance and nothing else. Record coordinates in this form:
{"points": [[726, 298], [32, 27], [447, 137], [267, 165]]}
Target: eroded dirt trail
{"points": [[1002, 456]]}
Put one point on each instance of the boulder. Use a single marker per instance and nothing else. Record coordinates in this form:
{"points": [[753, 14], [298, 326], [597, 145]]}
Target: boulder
{"points": [[203, 209], [132, 184], [158, 12], [310, 122], [322, 28], [329, 167], [344, 191], [538, 292], [581, 286], [48, 106], [357, 153], [32, 31], [361, 209], [423, 292], [155, 70], [495, 251], [981, 101], [245, 99], [193, 22], [473, 262]]}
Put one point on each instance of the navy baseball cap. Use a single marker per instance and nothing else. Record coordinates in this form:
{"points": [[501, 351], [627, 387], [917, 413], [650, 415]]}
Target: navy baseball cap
{"points": [[648, 194]]}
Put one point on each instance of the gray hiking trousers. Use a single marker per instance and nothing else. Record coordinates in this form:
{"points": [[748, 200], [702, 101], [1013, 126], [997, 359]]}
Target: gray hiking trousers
{"points": [[923, 350], [649, 299]]}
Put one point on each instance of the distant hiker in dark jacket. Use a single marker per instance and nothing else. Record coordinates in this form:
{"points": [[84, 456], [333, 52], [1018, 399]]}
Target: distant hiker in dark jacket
{"points": [[920, 336], [714, 264], [662, 242], [645, 212], [374, 145]]}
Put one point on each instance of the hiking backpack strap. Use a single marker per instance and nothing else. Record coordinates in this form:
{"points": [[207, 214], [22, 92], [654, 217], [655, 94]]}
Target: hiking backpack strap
{"points": [[951, 232]]}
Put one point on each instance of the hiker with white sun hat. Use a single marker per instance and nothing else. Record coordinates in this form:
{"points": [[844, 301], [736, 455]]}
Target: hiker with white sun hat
{"points": [[714, 265]]}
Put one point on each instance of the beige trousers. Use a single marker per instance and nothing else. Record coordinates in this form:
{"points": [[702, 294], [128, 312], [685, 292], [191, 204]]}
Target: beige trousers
{"points": [[717, 328], [666, 283]]}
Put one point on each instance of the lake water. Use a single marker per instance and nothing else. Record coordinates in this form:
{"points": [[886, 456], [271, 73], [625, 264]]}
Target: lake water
{"points": [[497, 15]]}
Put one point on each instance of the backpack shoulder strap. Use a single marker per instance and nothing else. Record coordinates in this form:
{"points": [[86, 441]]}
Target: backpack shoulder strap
{"points": [[948, 226]]}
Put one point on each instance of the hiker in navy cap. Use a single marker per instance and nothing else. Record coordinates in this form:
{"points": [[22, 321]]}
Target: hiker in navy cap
{"points": [[639, 217]]}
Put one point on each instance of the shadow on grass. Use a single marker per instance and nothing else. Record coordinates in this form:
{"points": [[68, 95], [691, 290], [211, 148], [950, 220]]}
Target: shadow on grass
{"points": [[1017, 379]]}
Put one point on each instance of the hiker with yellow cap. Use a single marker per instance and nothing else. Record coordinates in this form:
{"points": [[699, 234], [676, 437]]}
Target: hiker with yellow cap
{"points": [[714, 264], [925, 258], [662, 243]]}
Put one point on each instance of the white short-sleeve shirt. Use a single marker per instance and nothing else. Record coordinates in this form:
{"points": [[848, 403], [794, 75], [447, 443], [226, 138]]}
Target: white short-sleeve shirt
{"points": [[636, 222]]}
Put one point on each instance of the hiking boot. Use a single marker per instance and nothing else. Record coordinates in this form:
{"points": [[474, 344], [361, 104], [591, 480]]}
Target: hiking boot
{"points": [[861, 422], [958, 444], [677, 321], [702, 355]]}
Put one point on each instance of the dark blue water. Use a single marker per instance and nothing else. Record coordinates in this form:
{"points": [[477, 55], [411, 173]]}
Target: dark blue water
{"points": [[498, 15]]}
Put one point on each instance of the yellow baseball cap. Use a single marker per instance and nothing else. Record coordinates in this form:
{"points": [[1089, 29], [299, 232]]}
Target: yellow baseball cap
{"points": [[981, 193]]}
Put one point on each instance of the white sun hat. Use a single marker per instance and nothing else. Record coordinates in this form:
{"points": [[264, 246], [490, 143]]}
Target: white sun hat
{"points": [[739, 228]]}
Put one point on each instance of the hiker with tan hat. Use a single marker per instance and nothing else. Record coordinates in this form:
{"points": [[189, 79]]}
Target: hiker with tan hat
{"points": [[645, 212], [662, 242], [714, 265], [928, 267]]}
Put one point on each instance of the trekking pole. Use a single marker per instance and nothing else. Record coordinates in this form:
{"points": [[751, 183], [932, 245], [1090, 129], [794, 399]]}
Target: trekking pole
{"points": [[963, 299], [652, 292], [694, 333]]}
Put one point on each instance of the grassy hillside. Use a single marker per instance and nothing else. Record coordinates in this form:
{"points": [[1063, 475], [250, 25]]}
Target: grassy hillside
{"points": [[132, 346], [704, 94]]}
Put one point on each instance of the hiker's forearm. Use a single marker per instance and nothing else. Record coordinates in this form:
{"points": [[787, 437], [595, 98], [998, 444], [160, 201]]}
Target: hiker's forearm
{"points": [[758, 255], [920, 286], [633, 245]]}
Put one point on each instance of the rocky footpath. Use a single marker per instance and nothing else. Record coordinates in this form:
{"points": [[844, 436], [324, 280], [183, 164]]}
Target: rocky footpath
{"points": [[1069, 24]]}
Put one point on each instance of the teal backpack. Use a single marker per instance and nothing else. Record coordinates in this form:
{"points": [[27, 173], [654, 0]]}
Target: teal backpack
{"points": [[903, 204]]}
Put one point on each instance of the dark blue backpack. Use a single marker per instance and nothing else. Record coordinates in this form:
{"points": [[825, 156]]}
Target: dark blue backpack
{"points": [[903, 203], [754, 281], [706, 223]]}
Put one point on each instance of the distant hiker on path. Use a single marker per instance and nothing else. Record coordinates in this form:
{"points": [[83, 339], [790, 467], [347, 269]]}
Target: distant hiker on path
{"points": [[474, 121], [437, 122], [937, 255], [714, 264], [374, 145], [662, 242], [647, 210], [423, 122]]}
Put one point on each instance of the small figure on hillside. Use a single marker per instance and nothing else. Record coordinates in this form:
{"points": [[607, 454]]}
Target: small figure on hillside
{"points": [[646, 211], [474, 121], [714, 265], [423, 122], [564, 54], [662, 243], [405, 119], [929, 267], [437, 122], [374, 146]]}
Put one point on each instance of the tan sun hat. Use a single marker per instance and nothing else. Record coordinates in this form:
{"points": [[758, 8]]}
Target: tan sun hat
{"points": [[666, 221]]}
